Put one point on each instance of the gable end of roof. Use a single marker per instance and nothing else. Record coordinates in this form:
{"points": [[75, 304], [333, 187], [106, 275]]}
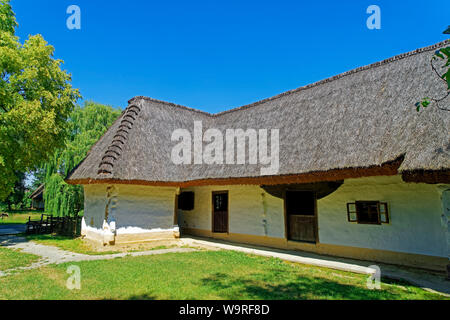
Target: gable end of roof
{"points": [[115, 149]]}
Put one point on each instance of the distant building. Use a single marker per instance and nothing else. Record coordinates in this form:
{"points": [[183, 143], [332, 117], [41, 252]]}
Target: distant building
{"points": [[37, 198]]}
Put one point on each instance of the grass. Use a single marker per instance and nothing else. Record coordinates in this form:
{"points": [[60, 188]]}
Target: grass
{"points": [[200, 275], [76, 245], [20, 217], [10, 259]]}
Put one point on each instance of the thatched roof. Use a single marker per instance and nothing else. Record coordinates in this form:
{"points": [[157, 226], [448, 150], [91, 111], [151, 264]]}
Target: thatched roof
{"points": [[38, 193], [362, 122]]}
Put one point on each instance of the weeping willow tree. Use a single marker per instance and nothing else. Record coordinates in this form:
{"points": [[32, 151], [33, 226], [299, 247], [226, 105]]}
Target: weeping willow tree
{"points": [[86, 125]]}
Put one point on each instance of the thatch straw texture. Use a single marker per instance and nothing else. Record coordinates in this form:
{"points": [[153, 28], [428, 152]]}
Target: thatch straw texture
{"points": [[363, 118]]}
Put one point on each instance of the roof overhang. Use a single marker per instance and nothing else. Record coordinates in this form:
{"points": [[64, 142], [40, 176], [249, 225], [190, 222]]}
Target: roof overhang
{"points": [[386, 169]]}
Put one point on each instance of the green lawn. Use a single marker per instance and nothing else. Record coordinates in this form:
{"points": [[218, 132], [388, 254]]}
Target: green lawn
{"points": [[10, 258], [200, 275], [76, 245], [20, 217]]}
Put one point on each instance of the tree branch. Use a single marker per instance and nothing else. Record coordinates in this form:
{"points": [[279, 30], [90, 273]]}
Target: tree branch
{"points": [[438, 74]]}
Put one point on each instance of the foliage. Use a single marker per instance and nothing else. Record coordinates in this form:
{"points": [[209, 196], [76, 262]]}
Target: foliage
{"points": [[36, 98], [60, 198], [18, 198], [37, 177], [447, 31], [85, 126], [10, 259], [442, 54], [202, 275]]}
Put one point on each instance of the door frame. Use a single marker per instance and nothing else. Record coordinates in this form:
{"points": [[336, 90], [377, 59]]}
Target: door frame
{"points": [[286, 222], [228, 210]]}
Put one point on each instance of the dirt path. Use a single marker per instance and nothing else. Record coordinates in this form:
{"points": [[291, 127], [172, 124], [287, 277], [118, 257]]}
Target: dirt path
{"points": [[54, 255]]}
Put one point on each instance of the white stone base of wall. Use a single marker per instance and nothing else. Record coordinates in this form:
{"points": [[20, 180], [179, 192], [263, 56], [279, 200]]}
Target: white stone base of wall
{"points": [[110, 236]]}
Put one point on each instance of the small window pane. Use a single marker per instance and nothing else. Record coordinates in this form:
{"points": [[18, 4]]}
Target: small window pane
{"points": [[221, 202], [368, 212], [351, 212], [384, 215]]}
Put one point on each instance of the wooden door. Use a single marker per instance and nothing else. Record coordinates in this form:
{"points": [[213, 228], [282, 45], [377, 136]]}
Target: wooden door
{"points": [[301, 217], [220, 212]]}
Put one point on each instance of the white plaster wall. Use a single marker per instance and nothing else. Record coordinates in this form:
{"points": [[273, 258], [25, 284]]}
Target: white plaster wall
{"points": [[144, 207], [94, 205], [415, 217], [249, 208], [445, 218], [415, 213]]}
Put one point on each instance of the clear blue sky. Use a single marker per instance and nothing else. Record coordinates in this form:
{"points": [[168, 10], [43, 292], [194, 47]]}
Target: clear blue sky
{"points": [[215, 55]]}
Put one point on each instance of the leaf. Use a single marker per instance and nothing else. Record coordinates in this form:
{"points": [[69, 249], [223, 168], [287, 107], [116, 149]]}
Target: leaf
{"points": [[438, 54], [448, 79], [445, 51], [37, 98]]}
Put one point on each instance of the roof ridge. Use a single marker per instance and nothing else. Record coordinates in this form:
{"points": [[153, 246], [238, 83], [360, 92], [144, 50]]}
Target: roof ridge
{"points": [[115, 149], [311, 85], [132, 100]]}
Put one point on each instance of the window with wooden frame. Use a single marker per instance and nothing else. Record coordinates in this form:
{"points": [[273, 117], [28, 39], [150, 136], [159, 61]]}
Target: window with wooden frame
{"points": [[368, 212], [186, 201]]}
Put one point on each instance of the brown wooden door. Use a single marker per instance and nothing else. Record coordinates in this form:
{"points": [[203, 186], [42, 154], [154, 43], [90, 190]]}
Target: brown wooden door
{"points": [[220, 212], [301, 216]]}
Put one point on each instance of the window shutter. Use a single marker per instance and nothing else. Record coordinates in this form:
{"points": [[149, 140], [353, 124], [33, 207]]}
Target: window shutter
{"points": [[186, 201], [351, 212], [384, 214]]}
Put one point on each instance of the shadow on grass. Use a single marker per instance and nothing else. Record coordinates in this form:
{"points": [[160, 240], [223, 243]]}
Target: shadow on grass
{"points": [[144, 296], [11, 240], [302, 288], [50, 237]]}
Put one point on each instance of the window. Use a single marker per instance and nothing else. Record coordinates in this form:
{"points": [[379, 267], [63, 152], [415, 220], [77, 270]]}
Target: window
{"points": [[186, 201], [368, 212], [300, 203]]}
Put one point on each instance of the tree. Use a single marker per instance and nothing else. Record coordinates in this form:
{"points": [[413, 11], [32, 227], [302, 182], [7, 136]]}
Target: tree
{"points": [[441, 54], [36, 98], [85, 126], [447, 31], [17, 198]]}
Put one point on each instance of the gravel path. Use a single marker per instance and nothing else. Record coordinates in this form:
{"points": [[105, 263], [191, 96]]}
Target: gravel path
{"points": [[54, 255]]}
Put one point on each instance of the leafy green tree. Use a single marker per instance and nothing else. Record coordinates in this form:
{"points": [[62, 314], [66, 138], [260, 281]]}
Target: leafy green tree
{"points": [[85, 126], [37, 178], [36, 98], [16, 199], [441, 54]]}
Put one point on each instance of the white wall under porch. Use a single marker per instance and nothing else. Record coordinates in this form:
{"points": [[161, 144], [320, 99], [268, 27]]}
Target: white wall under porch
{"points": [[415, 212]]}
